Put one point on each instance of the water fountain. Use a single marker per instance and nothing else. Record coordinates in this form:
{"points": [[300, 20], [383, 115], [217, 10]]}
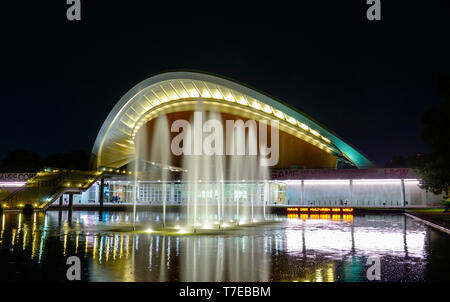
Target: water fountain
{"points": [[160, 154], [222, 191]]}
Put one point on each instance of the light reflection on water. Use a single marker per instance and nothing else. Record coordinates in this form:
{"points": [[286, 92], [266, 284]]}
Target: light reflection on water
{"points": [[301, 248]]}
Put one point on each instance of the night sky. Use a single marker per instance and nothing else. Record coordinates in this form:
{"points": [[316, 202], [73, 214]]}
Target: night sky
{"points": [[367, 81]]}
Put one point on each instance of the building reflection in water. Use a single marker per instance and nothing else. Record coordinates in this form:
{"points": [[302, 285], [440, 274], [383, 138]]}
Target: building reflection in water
{"points": [[316, 247], [225, 259]]}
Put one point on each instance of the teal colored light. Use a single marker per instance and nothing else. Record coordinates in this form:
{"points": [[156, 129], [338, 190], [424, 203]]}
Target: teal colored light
{"points": [[356, 157]]}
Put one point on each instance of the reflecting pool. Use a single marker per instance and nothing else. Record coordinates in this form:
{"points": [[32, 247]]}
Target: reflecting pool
{"points": [[296, 248]]}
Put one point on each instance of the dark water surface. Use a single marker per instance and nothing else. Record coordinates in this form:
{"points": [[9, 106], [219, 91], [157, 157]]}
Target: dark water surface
{"points": [[318, 248]]}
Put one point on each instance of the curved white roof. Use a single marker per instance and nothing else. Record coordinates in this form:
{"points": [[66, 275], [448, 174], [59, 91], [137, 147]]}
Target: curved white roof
{"points": [[114, 146]]}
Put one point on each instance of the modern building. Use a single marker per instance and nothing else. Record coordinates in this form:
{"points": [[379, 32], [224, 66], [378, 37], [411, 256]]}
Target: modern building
{"points": [[315, 166], [177, 95]]}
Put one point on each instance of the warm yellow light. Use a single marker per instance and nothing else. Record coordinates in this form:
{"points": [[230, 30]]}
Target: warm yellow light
{"points": [[35, 205], [149, 231], [206, 94], [230, 98], [256, 105], [326, 139], [267, 109], [292, 120], [303, 126], [194, 94], [218, 95], [336, 217], [20, 205], [314, 132], [184, 95], [279, 114], [347, 218], [325, 216], [68, 184]]}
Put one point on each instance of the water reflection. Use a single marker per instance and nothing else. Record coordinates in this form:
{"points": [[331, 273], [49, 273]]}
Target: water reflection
{"points": [[316, 247]]}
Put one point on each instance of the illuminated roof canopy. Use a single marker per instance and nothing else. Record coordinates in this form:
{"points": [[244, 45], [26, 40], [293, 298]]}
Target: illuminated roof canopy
{"points": [[180, 91]]}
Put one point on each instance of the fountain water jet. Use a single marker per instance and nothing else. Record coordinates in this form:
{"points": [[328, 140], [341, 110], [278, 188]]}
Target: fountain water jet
{"points": [[218, 188], [161, 155]]}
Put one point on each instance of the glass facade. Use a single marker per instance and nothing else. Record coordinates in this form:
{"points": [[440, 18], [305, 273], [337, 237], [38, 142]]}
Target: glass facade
{"points": [[309, 193], [179, 192]]}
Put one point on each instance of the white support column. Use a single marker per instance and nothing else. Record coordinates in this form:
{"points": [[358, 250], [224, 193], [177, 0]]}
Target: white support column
{"points": [[266, 192], [113, 194], [96, 187], [172, 193], [257, 194], [402, 192], [351, 191], [303, 192]]}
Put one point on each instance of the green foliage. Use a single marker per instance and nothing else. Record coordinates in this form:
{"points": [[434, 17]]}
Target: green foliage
{"points": [[446, 204], [76, 160], [436, 132], [20, 161], [436, 175], [17, 161]]}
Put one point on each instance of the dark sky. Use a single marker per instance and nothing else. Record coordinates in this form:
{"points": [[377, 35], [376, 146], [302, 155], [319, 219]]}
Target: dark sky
{"points": [[367, 81]]}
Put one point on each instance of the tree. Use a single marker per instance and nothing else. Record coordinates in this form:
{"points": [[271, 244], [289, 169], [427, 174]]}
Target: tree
{"points": [[436, 133], [21, 161], [76, 160], [416, 161]]}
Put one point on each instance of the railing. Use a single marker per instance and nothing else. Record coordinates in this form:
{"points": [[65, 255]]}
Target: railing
{"points": [[391, 203], [45, 187]]}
